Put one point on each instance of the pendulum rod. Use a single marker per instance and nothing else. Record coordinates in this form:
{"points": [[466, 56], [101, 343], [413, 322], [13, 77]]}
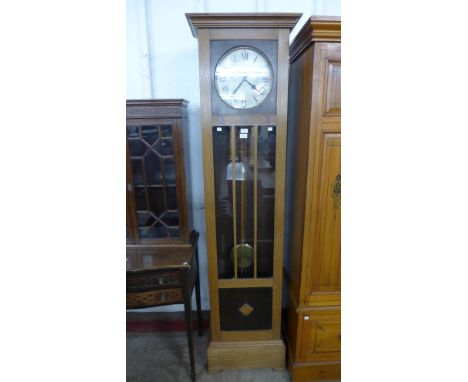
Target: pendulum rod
{"points": [[254, 143], [243, 212], [234, 206]]}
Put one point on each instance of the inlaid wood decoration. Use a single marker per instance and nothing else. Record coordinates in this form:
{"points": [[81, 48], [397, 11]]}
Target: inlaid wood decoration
{"points": [[313, 203], [243, 61]]}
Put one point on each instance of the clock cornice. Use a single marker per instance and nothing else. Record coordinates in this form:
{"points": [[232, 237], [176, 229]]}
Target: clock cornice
{"points": [[241, 20]]}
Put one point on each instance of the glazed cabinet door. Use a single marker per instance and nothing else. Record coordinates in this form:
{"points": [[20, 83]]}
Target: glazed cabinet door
{"points": [[323, 278], [153, 182]]}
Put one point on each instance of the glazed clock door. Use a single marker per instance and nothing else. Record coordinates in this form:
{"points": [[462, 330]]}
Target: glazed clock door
{"points": [[244, 180], [324, 260]]}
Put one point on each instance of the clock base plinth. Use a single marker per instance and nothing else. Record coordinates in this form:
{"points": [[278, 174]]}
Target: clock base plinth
{"points": [[246, 355]]}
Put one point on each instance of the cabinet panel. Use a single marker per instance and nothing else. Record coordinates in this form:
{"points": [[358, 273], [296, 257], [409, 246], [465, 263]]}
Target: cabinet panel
{"points": [[245, 308], [327, 336], [333, 88], [325, 270], [321, 336], [323, 276]]}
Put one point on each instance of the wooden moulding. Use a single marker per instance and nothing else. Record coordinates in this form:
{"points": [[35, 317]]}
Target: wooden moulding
{"points": [[246, 355], [314, 371], [316, 29], [241, 20], [166, 108]]}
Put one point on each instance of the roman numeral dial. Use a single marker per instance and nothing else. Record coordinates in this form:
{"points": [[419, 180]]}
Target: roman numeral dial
{"points": [[243, 77]]}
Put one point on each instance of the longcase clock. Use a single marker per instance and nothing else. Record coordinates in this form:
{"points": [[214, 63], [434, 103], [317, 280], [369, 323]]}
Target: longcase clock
{"points": [[243, 61]]}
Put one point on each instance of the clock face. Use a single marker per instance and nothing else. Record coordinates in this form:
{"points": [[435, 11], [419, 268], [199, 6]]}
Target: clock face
{"points": [[243, 78]]}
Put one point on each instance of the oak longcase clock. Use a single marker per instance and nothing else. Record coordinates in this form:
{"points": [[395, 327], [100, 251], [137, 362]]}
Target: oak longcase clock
{"points": [[243, 61]]}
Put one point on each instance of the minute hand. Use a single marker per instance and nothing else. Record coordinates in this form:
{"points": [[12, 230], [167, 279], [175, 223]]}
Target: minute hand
{"points": [[238, 86]]}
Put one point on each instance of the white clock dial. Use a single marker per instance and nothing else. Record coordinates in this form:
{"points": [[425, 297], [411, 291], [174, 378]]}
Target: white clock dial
{"points": [[243, 78]]}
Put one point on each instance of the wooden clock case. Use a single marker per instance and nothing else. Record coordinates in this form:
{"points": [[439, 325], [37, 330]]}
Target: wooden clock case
{"points": [[245, 308]]}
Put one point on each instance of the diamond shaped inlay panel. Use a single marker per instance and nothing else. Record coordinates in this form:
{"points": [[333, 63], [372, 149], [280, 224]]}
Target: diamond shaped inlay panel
{"points": [[246, 309]]}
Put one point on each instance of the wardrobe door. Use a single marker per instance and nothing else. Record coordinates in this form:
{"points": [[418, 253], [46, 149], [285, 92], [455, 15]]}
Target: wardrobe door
{"points": [[324, 228]]}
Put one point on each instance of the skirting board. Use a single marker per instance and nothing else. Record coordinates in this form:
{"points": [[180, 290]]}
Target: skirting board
{"points": [[246, 355]]}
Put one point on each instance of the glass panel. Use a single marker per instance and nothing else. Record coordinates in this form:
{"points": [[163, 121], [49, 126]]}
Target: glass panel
{"points": [[144, 233], [152, 168], [145, 218], [150, 134], [133, 132], [166, 130], [223, 200], [174, 232], [171, 196], [140, 198], [137, 148], [159, 230], [266, 154], [137, 172], [164, 147], [244, 180], [169, 172], [170, 218], [234, 170], [154, 178], [156, 200]]}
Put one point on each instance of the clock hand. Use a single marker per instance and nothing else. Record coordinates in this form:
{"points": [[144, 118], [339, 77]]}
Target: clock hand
{"points": [[238, 86], [251, 84]]}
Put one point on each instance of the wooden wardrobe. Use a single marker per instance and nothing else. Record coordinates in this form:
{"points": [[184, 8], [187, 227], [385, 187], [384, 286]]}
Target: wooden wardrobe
{"points": [[313, 203]]}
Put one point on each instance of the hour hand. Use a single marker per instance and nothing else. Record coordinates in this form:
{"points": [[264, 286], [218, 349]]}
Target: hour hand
{"points": [[251, 84]]}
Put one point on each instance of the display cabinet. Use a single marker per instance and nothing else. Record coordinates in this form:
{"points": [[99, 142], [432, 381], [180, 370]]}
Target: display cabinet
{"points": [[243, 63], [158, 180], [313, 202]]}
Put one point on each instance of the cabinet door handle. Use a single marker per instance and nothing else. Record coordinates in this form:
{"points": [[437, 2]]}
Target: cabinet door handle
{"points": [[129, 187]]}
